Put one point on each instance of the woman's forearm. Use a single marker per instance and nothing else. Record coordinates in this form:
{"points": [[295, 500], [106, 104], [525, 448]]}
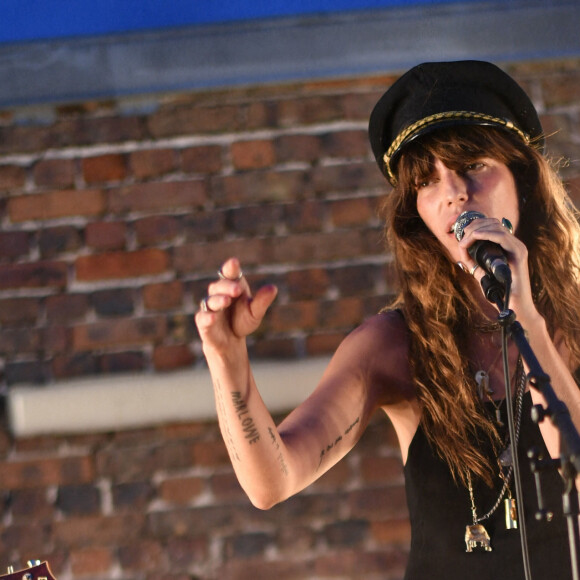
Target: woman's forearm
{"points": [[257, 452]]}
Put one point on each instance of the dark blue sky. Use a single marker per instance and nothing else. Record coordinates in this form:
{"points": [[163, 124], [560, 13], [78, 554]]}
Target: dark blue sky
{"points": [[25, 20]]}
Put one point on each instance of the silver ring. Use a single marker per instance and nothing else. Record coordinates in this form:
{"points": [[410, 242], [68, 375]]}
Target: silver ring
{"points": [[507, 225], [203, 305], [474, 269], [224, 277]]}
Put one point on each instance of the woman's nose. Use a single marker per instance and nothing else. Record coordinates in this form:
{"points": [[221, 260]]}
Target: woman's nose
{"points": [[454, 184]]}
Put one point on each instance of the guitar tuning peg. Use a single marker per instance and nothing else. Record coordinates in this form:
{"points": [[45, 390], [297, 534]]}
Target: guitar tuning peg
{"points": [[32, 563], [10, 569]]}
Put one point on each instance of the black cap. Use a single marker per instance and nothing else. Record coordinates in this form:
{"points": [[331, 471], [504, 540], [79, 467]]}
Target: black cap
{"points": [[438, 94]]}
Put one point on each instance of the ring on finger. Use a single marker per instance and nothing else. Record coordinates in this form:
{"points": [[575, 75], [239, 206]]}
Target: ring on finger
{"points": [[474, 269], [204, 305], [507, 225], [224, 277]]}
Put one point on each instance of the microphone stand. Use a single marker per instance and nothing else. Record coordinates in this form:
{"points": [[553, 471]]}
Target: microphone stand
{"points": [[559, 414]]}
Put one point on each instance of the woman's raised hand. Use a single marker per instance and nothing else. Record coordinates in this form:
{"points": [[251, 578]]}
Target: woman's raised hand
{"points": [[229, 312]]}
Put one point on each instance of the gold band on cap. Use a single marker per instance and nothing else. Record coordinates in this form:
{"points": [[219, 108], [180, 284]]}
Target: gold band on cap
{"points": [[421, 124]]}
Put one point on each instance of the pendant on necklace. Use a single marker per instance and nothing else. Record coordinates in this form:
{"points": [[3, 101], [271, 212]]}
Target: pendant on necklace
{"points": [[505, 457], [476, 536], [511, 514], [482, 381]]}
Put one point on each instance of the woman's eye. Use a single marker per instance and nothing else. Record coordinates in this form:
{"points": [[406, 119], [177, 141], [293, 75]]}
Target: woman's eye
{"points": [[474, 166], [424, 182]]}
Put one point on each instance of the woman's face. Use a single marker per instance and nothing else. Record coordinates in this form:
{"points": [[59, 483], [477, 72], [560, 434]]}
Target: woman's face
{"points": [[486, 186]]}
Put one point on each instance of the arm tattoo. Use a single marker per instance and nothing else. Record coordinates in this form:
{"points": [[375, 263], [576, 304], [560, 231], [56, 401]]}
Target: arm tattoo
{"points": [[248, 425], [226, 432], [331, 445], [281, 461]]}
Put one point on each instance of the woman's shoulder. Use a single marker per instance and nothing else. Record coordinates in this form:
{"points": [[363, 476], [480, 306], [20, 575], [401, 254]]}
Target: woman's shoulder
{"points": [[386, 328], [381, 347]]}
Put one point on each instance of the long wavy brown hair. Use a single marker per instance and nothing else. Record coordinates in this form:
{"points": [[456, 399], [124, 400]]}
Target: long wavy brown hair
{"points": [[433, 298]]}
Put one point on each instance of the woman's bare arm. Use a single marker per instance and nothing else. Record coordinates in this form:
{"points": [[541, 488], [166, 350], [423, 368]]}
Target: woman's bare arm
{"points": [[272, 463]]}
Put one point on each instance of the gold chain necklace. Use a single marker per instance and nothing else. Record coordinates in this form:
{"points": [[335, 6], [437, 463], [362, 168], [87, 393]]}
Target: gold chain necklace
{"points": [[476, 534]]}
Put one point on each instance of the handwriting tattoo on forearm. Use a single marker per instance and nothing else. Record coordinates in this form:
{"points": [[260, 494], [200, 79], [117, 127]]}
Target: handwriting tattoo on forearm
{"points": [[280, 458], [331, 445], [248, 425], [226, 431]]}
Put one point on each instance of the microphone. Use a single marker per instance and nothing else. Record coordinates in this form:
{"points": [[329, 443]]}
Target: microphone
{"points": [[488, 255]]}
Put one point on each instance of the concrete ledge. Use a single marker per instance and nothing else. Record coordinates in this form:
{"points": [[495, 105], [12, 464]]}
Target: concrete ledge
{"points": [[132, 401], [297, 48]]}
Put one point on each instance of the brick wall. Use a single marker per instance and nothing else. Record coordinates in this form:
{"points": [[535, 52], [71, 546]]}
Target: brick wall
{"points": [[114, 216]]}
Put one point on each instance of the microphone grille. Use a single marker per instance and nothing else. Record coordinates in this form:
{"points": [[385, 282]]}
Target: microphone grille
{"points": [[463, 221]]}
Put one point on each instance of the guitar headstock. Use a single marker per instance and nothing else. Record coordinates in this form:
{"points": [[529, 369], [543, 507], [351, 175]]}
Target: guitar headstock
{"points": [[36, 571]]}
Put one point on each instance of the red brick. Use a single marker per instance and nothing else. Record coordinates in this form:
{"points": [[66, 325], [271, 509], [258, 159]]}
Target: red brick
{"points": [[312, 247], [298, 148], [171, 357], [164, 296], [390, 532], [57, 204], [19, 311], [106, 235], [279, 348], [43, 472], [351, 212], [307, 284], [122, 362], [157, 229], [204, 159], [375, 504], [156, 196], [256, 220], [297, 315], [379, 469], [55, 173], [58, 240], [90, 531], [86, 130], [253, 154], [104, 168], [91, 561], [261, 114], [310, 110], [225, 486], [76, 365], [113, 265], [185, 552], [31, 504], [258, 186], [344, 312], [66, 307], [323, 343], [346, 144], [140, 462], [152, 163], [205, 257], [182, 490], [351, 176], [115, 332], [12, 177], [306, 216], [188, 120], [143, 556], [561, 90], [14, 244], [34, 275], [210, 454]]}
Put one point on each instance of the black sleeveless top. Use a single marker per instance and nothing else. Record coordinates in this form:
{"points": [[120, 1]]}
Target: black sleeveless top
{"points": [[440, 510]]}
